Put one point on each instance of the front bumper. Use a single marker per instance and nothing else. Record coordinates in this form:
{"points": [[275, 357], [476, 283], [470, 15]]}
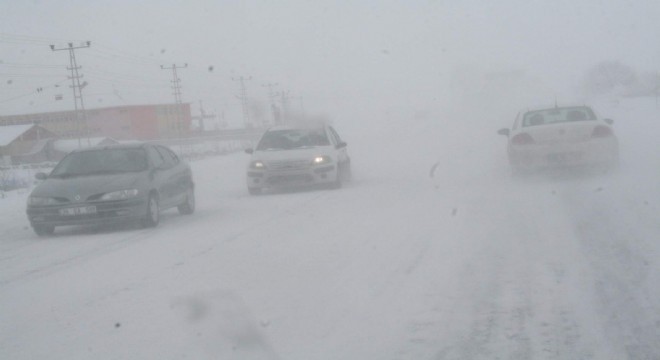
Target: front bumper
{"points": [[322, 174], [106, 212]]}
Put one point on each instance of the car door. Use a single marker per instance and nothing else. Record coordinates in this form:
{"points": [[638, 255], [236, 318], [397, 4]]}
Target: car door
{"points": [[180, 174], [340, 145], [159, 176]]}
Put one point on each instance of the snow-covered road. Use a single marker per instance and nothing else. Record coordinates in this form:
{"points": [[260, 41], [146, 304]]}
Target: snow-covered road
{"points": [[469, 264]]}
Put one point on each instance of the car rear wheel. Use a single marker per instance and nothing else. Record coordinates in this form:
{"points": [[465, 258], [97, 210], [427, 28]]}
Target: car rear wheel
{"points": [[188, 205], [152, 217], [43, 230], [254, 190]]}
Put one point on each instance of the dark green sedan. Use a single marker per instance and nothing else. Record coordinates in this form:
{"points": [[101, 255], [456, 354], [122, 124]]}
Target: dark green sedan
{"points": [[111, 184]]}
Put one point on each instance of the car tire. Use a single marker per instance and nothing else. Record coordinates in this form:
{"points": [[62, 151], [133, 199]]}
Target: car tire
{"points": [[43, 230], [338, 179], [346, 172], [188, 205], [254, 191], [152, 218]]}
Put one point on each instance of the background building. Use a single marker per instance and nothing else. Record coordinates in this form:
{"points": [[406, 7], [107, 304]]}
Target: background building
{"points": [[24, 144], [130, 122]]}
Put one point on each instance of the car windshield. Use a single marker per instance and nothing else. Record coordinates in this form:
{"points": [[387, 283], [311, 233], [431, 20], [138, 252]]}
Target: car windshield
{"points": [[104, 161], [558, 115], [293, 139]]}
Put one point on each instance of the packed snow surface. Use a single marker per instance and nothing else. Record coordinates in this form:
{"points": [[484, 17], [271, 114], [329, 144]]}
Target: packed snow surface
{"points": [[462, 262]]}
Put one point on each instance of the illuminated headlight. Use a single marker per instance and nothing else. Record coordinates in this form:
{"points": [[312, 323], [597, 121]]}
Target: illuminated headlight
{"points": [[257, 165], [120, 195], [41, 201], [320, 160]]}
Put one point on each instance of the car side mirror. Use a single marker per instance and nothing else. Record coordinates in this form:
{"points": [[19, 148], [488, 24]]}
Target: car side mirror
{"points": [[609, 121], [342, 144], [40, 176], [504, 132], [249, 151]]}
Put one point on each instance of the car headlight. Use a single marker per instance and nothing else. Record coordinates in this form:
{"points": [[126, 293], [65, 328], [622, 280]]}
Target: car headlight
{"points": [[41, 201], [257, 165], [120, 195], [320, 160]]}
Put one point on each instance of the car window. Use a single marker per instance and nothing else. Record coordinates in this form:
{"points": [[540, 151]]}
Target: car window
{"points": [[156, 157], [292, 139], [168, 156], [101, 162], [335, 135], [558, 115]]}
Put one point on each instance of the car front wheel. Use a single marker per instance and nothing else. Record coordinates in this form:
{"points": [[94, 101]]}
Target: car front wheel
{"points": [[188, 205], [254, 191], [43, 230], [152, 217], [338, 179]]}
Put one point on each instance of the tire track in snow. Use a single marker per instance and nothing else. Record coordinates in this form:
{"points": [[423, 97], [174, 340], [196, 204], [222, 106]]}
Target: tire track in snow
{"points": [[102, 249], [520, 292], [619, 258]]}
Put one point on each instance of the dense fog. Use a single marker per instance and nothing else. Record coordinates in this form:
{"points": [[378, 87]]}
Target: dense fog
{"points": [[434, 249]]}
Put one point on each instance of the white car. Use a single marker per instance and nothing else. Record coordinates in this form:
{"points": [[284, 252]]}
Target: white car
{"points": [[560, 137], [287, 156]]}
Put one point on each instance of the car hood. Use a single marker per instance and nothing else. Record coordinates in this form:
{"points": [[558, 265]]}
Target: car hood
{"points": [[86, 186], [294, 154]]}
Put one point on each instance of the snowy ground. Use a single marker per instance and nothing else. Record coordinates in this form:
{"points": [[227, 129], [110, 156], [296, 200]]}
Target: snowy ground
{"points": [[467, 264]]}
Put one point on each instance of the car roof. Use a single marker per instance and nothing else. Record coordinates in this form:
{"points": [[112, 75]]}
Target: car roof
{"points": [[300, 127], [113, 146], [552, 106]]}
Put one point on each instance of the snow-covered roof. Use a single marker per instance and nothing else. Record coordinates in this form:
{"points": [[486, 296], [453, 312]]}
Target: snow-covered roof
{"points": [[10, 133], [67, 145]]}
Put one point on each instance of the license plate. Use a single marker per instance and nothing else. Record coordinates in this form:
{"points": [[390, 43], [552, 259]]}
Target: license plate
{"points": [[82, 210]]}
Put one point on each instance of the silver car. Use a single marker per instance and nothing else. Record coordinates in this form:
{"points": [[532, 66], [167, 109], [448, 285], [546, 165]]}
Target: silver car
{"points": [[560, 137], [288, 156]]}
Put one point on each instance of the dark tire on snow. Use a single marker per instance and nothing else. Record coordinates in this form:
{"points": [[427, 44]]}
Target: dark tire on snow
{"points": [[338, 180], [346, 172], [188, 205], [43, 230], [254, 191], [152, 218]]}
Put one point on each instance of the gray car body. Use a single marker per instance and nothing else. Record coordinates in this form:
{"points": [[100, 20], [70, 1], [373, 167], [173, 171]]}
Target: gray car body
{"points": [[167, 181]]}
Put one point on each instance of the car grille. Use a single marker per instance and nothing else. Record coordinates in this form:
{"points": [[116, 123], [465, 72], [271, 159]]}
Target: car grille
{"points": [[290, 179], [284, 165]]}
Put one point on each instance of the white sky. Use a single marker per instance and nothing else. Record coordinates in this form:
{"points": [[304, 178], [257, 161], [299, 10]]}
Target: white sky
{"points": [[345, 58]]}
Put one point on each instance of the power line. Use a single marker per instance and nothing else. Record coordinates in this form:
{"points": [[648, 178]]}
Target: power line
{"points": [[38, 90]]}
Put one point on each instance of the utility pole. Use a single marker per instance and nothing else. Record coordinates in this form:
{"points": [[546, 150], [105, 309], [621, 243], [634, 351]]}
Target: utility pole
{"points": [[284, 98], [77, 88], [271, 100], [202, 116], [244, 100], [176, 86], [302, 105]]}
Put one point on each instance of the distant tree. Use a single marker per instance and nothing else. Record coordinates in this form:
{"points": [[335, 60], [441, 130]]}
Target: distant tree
{"points": [[608, 76]]}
